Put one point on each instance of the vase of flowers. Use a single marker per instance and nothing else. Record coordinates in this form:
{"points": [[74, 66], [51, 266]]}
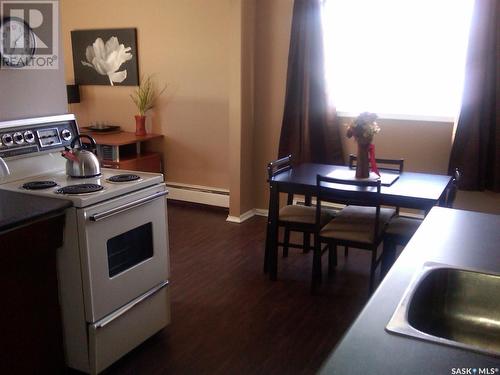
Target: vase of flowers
{"points": [[144, 98], [363, 128]]}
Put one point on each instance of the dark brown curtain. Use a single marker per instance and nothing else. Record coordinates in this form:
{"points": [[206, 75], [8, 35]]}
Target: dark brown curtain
{"points": [[308, 131], [475, 150]]}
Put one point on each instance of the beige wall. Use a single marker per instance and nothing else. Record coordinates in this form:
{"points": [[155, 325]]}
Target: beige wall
{"points": [[241, 98], [226, 66], [185, 43], [272, 35], [425, 146]]}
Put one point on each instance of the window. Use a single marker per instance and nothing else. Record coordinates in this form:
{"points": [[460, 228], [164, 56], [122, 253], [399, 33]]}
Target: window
{"points": [[397, 58]]}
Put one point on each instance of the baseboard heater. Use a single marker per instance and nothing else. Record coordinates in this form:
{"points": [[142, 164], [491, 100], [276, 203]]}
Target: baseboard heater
{"points": [[198, 194]]}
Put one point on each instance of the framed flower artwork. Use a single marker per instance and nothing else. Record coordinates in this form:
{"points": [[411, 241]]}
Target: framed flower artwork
{"points": [[105, 57]]}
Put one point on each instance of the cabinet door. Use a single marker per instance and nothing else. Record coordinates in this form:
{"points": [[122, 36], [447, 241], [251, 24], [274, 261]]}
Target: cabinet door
{"points": [[147, 162], [31, 334]]}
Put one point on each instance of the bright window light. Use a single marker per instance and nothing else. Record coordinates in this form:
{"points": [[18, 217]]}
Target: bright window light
{"points": [[397, 58]]}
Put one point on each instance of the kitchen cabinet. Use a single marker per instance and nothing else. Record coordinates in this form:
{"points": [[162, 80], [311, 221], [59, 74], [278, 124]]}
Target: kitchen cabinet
{"points": [[31, 231]]}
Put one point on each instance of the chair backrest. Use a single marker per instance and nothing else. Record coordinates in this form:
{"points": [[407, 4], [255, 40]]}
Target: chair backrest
{"points": [[350, 192], [279, 166], [452, 190], [391, 165], [276, 167]]}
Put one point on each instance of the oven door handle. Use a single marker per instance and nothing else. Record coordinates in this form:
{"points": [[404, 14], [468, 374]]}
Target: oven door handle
{"points": [[127, 206], [116, 314]]}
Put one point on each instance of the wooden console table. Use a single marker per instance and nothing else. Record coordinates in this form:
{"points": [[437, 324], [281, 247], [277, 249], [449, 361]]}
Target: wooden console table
{"points": [[124, 150]]}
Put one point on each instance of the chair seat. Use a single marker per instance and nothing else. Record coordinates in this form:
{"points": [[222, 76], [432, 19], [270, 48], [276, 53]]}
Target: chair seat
{"points": [[294, 213], [403, 226], [355, 223]]}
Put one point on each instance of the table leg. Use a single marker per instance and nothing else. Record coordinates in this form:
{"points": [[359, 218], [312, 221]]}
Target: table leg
{"points": [[271, 251], [388, 256], [307, 199], [442, 199], [307, 236], [267, 247]]}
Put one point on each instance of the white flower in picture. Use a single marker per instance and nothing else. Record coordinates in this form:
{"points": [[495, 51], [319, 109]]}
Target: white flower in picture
{"points": [[107, 58]]}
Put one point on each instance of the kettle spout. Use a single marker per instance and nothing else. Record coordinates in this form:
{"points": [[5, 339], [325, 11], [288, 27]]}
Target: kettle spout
{"points": [[4, 168], [67, 154]]}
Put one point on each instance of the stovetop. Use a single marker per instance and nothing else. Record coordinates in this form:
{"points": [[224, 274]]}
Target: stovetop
{"points": [[31, 148], [110, 189]]}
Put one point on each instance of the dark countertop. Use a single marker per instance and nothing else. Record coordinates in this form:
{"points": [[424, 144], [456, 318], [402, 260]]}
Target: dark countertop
{"points": [[17, 209], [454, 237]]}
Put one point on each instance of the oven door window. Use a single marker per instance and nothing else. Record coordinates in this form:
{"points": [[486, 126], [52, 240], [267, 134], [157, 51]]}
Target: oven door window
{"points": [[129, 249]]}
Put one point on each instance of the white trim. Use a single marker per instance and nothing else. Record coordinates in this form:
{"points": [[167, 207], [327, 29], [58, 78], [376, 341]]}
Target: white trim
{"points": [[240, 219], [198, 187], [261, 212], [198, 194]]}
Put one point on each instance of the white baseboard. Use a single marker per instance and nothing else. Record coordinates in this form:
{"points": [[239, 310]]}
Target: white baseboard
{"points": [[198, 194], [243, 217], [247, 215], [261, 212]]}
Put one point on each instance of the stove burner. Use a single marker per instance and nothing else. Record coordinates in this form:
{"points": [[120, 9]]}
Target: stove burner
{"points": [[79, 189], [124, 178], [39, 185]]}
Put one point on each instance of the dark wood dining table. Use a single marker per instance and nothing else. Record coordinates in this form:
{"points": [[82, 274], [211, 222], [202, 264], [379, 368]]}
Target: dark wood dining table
{"points": [[410, 190]]}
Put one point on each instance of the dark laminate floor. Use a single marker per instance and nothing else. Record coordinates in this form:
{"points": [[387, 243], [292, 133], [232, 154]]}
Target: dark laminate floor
{"points": [[228, 318]]}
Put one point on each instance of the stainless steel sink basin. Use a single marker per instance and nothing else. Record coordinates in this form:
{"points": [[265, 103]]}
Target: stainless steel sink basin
{"points": [[451, 306]]}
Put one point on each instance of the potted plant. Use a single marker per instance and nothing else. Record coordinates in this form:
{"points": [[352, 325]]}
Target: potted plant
{"points": [[144, 98]]}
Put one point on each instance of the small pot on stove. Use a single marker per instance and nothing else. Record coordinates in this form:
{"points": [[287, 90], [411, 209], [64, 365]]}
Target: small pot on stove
{"points": [[81, 162]]}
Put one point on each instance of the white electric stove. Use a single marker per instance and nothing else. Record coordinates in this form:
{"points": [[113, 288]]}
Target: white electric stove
{"points": [[113, 267]]}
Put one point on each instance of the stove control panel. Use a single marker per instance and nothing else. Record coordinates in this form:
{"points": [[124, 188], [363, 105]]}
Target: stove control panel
{"points": [[48, 137], [21, 138]]}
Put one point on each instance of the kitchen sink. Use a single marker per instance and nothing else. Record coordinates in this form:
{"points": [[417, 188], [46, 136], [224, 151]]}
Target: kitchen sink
{"points": [[451, 306]]}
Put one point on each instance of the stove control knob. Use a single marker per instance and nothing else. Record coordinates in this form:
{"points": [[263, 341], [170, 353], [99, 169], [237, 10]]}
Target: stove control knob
{"points": [[29, 136], [18, 138], [7, 140], [66, 134]]}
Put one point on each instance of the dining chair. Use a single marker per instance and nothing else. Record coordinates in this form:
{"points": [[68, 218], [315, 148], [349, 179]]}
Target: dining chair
{"points": [[361, 224], [387, 165], [402, 228], [296, 217]]}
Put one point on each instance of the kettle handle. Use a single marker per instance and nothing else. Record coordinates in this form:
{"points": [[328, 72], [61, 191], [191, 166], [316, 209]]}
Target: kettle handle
{"points": [[92, 141]]}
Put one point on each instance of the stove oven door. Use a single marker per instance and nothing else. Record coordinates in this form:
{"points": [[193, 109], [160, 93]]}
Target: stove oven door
{"points": [[124, 249]]}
